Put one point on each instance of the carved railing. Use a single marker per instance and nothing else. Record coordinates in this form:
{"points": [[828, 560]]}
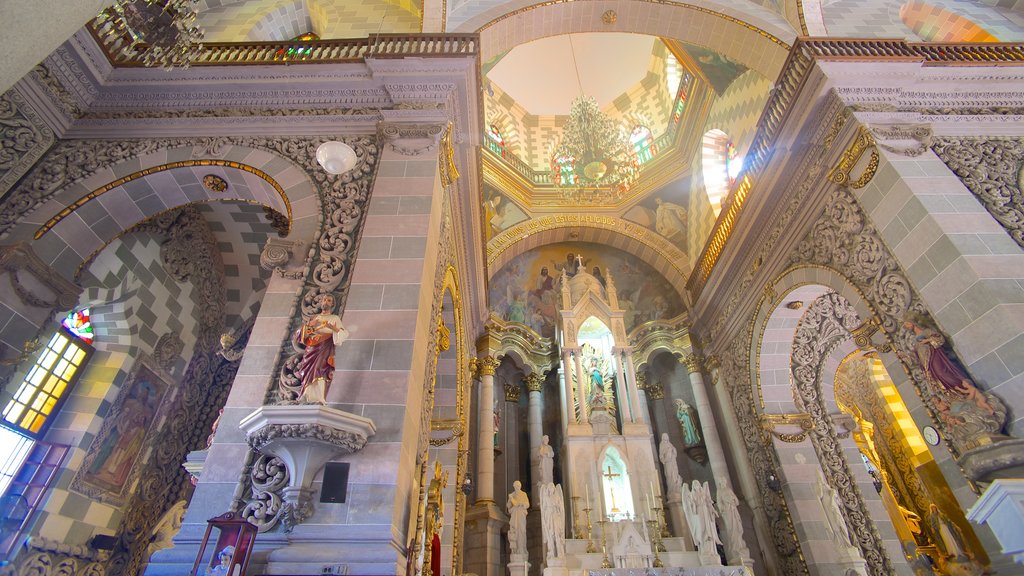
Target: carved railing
{"points": [[794, 73], [318, 51]]}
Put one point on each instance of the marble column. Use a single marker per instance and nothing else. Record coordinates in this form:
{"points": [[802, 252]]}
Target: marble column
{"points": [[485, 441], [634, 394], [716, 456], [581, 391], [620, 387], [566, 395], [534, 384]]}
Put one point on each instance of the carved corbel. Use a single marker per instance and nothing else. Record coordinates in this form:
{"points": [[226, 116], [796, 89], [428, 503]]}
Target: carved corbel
{"points": [[16, 258], [903, 139], [864, 337], [409, 139], [280, 256], [844, 424]]}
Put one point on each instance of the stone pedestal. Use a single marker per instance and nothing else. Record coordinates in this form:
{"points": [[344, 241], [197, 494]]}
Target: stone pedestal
{"points": [[519, 566], [680, 527], [305, 437], [194, 463], [1001, 508], [484, 523], [1004, 459]]}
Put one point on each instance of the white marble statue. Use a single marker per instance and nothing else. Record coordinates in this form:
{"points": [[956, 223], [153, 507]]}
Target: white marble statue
{"points": [[667, 455], [728, 506], [167, 527], [546, 459], [517, 505], [835, 524], [701, 514], [552, 517]]}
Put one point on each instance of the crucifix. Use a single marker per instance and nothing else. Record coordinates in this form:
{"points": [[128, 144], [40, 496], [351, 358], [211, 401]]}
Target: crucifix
{"points": [[611, 489]]}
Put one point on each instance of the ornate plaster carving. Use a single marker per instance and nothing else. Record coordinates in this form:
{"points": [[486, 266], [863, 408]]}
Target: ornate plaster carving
{"points": [[503, 338], [16, 258], [991, 168], [280, 256], [344, 439], [167, 350], [410, 139], [903, 139], [24, 138], [827, 322]]}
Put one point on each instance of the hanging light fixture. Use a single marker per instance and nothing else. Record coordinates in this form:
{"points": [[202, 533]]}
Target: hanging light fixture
{"points": [[592, 158], [156, 32], [336, 157]]}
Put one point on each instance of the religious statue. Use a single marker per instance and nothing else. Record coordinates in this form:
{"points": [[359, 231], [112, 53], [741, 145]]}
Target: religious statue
{"points": [[435, 519], [224, 563], [320, 336], [517, 505], [946, 534], [552, 517], [597, 398], [546, 460], [688, 421], [667, 455], [670, 221], [942, 373], [728, 506], [167, 527], [835, 524], [700, 515]]}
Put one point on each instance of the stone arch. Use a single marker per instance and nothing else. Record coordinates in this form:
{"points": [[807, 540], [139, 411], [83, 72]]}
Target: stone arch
{"points": [[632, 238], [755, 36]]}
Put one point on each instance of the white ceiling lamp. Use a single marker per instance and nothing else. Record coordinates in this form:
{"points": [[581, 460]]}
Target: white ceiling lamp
{"points": [[336, 157]]}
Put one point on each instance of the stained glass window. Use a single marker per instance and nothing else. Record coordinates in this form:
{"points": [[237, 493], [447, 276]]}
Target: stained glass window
{"points": [[46, 384], [641, 139], [79, 323], [565, 170], [495, 141]]}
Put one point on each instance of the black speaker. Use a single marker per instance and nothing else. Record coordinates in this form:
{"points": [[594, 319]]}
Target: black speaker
{"points": [[102, 542], [335, 483]]}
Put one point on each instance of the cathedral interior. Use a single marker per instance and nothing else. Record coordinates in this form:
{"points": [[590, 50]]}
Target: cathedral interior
{"points": [[487, 287]]}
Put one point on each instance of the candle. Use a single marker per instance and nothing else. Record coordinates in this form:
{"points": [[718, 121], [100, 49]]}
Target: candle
{"points": [[587, 487]]}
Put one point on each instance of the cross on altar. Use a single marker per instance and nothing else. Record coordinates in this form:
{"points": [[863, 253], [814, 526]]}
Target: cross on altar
{"points": [[611, 490]]}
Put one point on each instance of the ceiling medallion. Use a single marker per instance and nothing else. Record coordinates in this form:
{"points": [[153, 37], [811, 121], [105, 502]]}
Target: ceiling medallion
{"points": [[609, 17], [215, 183], [157, 32], [593, 160]]}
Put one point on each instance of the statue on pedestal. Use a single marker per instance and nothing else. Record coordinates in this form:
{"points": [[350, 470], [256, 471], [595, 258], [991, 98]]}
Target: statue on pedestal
{"points": [[667, 455], [319, 336], [552, 516], [517, 505], [835, 524], [546, 459], [701, 514], [688, 422], [728, 506]]}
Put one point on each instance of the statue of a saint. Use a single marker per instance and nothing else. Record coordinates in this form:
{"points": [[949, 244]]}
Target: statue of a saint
{"points": [[667, 455], [546, 459], [701, 514], [517, 505], [947, 535], [320, 336], [728, 506], [688, 421], [942, 373], [552, 517], [835, 524], [670, 221], [435, 519]]}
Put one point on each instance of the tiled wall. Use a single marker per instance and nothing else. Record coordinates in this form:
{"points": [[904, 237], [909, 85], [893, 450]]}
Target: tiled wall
{"points": [[279, 19], [964, 265], [881, 18], [135, 301]]}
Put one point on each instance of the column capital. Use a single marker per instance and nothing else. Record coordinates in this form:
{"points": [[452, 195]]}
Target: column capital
{"points": [[488, 365], [693, 363], [512, 392], [474, 368], [534, 382], [712, 362], [655, 391], [641, 380]]}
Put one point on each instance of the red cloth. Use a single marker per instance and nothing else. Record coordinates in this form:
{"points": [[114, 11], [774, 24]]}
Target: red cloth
{"points": [[435, 555]]}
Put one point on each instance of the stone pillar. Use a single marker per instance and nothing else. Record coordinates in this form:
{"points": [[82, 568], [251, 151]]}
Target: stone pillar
{"points": [[507, 463], [719, 469], [534, 384], [567, 395], [634, 394], [485, 441], [581, 393], [620, 387]]}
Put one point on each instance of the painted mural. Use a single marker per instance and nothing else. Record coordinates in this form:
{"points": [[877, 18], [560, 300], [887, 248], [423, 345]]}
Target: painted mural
{"points": [[526, 289], [500, 212], [108, 465], [719, 70], [665, 212]]}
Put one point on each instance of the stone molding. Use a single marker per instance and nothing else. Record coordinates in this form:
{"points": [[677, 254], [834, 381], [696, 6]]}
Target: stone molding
{"points": [[15, 258], [24, 138]]}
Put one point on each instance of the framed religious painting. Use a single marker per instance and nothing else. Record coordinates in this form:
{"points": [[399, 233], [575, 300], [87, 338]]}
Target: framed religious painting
{"points": [[112, 462]]}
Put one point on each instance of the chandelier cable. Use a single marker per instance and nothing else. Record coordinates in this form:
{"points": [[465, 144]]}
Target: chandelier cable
{"points": [[575, 65]]}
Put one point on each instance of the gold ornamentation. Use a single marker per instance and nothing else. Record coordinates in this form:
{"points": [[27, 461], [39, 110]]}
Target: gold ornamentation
{"points": [[446, 162], [534, 382], [488, 365], [769, 423], [836, 127], [795, 304], [215, 183], [693, 362], [609, 17], [512, 392], [840, 174], [444, 335], [70, 209], [862, 334], [655, 391]]}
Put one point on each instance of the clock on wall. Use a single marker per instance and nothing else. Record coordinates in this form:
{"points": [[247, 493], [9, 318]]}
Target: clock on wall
{"points": [[931, 435]]}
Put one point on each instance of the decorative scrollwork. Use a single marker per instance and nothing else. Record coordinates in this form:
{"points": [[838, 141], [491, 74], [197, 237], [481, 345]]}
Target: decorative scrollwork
{"points": [[268, 477]]}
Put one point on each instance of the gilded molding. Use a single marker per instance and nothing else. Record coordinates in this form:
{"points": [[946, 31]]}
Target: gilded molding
{"points": [[672, 335], [771, 422], [512, 392], [503, 338], [840, 173], [446, 160], [71, 208], [694, 363], [488, 365]]}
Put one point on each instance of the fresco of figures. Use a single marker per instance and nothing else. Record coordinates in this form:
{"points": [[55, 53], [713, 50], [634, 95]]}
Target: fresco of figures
{"points": [[500, 212], [526, 289]]}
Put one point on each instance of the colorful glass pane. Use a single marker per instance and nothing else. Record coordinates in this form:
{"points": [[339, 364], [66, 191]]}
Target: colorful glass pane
{"points": [[565, 167], [79, 323], [641, 139], [495, 141]]}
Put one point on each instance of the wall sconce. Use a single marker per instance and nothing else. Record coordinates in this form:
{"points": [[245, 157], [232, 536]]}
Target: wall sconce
{"points": [[774, 483]]}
